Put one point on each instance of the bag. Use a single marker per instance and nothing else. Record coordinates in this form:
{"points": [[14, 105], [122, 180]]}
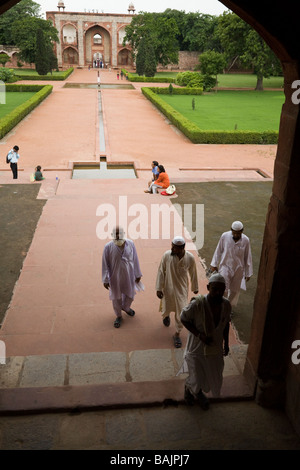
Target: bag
{"points": [[32, 177], [169, 191], [7, 159]]}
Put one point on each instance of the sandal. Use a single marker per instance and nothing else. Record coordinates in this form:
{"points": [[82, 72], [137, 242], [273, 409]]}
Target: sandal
{"points": [[166, 321], [188, 397], [177, 341], [131, 312], [203, 401], [117, 322]]}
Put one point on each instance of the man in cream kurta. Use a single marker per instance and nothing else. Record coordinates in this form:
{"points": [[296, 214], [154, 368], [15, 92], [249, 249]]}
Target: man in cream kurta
{"points": [[233, 260], [207, 320], [172, 283]]}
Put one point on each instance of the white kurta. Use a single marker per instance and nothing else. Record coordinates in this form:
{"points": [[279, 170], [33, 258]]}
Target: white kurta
{"points": [[120, 268], [233, 260], [204, 364], [173, 280]]}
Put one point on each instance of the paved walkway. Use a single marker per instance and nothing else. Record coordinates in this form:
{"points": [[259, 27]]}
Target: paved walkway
{"points": [[62, 349], [71, 314]]}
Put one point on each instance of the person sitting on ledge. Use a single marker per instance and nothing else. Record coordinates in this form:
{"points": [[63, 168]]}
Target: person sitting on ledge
{"points": [[162, 181]]}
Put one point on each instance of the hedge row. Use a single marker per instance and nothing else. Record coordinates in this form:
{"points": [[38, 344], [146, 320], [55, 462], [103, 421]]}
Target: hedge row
{"points": [[176, 91], [134, 78], [14, 117], [62, 76], [199, 136]]}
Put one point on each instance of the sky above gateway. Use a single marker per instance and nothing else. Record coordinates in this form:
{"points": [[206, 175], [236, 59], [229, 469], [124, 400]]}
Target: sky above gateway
{"points": [[210, 7]]}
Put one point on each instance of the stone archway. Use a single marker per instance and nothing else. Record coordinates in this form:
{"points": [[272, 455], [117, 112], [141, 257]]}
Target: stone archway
{"points": [[70, 56], [97, 46], [124, 57]]}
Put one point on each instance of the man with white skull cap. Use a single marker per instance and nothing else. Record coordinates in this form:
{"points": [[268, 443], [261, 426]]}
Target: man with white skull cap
{"points": [[233, 260], [121, 273], [172, 283], [207, 320]]}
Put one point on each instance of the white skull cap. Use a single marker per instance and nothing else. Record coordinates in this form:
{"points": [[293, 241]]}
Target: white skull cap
{"points": [[237, 225], [216, 278], [179, 241]]}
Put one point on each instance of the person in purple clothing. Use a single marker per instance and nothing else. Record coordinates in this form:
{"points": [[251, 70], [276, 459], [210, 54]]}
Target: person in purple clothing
{"points": [[121, 273]]}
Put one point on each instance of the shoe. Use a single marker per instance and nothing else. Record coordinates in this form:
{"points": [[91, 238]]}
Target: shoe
{"points": [[131, 312], [188, 397], [117, 322], [166, 321], [177, 341], [203, 401]]}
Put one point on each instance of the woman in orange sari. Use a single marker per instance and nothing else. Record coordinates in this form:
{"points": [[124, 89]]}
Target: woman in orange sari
{"points": [[162, 181]]}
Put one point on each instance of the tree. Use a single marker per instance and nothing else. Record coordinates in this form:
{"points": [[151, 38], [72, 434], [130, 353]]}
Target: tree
{"points": [[241, 42], [212, 63], [24, 35], [259, 56], [140, 57], [150, 62], [158, 30], [41, 57], [4, 58], [20, 11]]}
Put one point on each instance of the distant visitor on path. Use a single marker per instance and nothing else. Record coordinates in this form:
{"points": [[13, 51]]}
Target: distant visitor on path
{"points": [[207, 320], [38, 175], [13, 157], [121, 273], [161, 182], [172, 283], [233, 260]]}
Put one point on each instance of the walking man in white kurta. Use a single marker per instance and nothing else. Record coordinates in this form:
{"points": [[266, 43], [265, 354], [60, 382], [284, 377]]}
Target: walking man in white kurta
{"points": [[233, 260], [207, 320], [121, 273], [172, 283]]}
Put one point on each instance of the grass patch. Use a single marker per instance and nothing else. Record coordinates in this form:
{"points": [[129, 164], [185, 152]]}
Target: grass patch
{"points": [[247, 80], [31, 74], [13, 100], [232, 80], [231, 110]]}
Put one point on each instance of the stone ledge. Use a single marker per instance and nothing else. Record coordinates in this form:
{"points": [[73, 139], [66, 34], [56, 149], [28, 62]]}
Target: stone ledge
{"points": [[109, 396]]}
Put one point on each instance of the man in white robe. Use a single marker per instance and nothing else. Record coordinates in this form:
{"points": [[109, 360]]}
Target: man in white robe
{"points": [[120, 273], [207, 320], [233, 260], [172, 283]]}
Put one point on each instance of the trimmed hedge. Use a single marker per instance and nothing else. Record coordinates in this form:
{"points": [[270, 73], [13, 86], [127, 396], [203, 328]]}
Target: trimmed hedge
{"points": [[14, 117], [197, 135], [46, 77], [134, 78]]}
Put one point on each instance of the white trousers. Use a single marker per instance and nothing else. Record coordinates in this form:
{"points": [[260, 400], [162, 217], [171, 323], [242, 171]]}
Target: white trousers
{"points": [[122, 304]]}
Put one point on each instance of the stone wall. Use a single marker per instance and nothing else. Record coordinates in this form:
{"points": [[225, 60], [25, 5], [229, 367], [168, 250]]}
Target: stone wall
{"points": [[186, 61]]}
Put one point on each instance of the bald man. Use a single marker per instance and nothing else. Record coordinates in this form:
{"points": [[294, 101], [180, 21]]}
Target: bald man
{"points": [[233, 260], [172, 283], [207, 319]]}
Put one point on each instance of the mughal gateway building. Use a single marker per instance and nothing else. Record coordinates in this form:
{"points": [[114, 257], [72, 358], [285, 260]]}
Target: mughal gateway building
{"points": [[91, 38]]}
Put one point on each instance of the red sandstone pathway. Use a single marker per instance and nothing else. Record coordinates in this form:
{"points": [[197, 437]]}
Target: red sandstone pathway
{"points": [[59, 304]]}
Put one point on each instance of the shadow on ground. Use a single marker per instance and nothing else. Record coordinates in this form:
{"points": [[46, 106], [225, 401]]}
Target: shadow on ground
{"points": [[225, 202], [20, 211]]}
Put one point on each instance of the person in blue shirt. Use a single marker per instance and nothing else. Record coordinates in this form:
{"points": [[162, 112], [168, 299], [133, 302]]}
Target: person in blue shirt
{"points": [[13, 158], [155, 172]]}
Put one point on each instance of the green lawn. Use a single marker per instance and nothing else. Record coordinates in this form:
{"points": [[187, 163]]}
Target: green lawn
{"points": [[14, 99], [21, 72], [245, 80], [234, 80], [230, 110]]}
